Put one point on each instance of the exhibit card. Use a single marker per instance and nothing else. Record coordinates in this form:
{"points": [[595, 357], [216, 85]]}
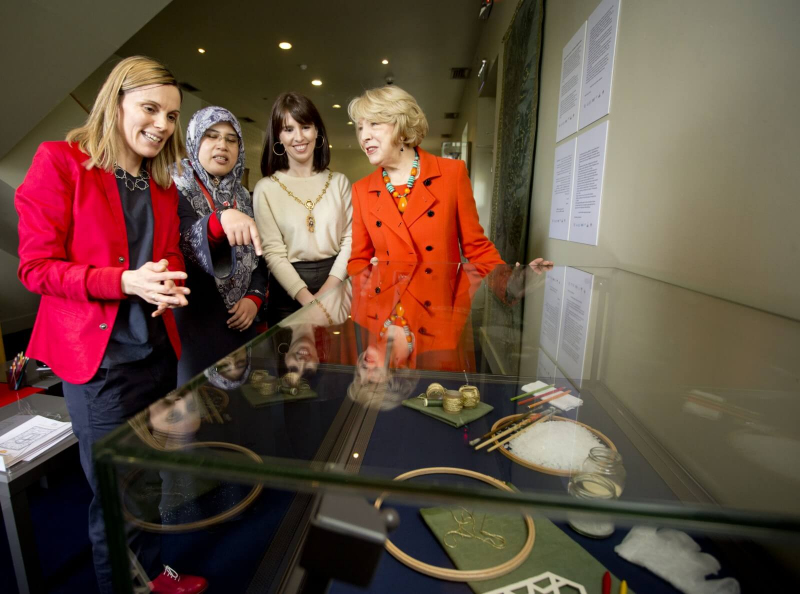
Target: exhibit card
{"points": [[590, 162], [571, 76], [551, 310], [563, 181], [574, 323], [598, 65]]}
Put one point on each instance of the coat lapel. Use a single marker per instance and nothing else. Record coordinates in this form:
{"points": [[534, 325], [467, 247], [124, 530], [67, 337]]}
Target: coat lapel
{"points": [[156, 201], [383, 207], [421, 199], [114, 202]]}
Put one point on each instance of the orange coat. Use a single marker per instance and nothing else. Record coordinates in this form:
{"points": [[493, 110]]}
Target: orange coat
{"points": [[437, 306], [440, 223]]}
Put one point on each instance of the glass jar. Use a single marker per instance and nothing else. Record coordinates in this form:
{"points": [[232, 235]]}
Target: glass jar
{"points": [[591, 487], [607, 463]]}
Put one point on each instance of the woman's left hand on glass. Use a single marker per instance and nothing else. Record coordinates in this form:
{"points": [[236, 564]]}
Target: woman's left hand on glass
{"points": [[244, 312], [539, 265]]}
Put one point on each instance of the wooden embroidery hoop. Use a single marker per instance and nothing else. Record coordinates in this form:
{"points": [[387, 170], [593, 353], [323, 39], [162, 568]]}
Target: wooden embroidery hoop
{"points": [[457, 575], [139, 425]]}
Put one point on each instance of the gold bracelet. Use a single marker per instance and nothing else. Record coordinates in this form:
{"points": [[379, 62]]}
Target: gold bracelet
{"points": [[327, 315]]}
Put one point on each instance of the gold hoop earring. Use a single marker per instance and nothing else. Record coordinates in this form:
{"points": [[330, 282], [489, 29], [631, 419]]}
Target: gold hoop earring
{"points": [[323, 142], [276, 152]]}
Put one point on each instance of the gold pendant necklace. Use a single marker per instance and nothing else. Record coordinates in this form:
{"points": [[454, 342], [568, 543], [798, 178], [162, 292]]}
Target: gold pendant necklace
{"points": [[310, 222]]}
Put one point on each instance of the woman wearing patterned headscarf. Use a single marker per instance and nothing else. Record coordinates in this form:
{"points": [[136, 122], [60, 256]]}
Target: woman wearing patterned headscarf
{"points": [[219, 241]]}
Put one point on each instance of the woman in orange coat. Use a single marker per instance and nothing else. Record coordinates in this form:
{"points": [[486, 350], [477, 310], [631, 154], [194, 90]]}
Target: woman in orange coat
{"points": [[415, 206]]}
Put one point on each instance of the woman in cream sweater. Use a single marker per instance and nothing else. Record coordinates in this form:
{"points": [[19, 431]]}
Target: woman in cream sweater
{"points": [[302, 209]]}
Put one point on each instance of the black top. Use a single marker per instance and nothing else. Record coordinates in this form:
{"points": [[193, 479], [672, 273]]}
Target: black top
{"points": [[136, 333]]}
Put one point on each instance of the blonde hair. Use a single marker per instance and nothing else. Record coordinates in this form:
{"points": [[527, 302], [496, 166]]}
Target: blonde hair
{"points": [[99, 137], [391, 105]]}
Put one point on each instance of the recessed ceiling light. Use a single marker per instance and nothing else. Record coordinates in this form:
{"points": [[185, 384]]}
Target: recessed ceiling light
{"points": [[330, 146], [285, 45], [384, 62], [336, 106], [201, 50], [349, 123], [316, 82]]}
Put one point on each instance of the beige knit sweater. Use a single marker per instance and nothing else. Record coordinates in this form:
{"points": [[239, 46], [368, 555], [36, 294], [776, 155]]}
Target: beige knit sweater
{"points": [[285, 238]]}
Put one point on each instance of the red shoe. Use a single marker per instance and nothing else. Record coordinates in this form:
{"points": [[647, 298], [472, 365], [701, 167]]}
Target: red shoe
{"points": [[171, 582]]}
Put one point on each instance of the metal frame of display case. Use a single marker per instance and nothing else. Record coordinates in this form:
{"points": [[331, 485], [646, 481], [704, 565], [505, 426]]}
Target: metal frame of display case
{"points": [[334, 468]]}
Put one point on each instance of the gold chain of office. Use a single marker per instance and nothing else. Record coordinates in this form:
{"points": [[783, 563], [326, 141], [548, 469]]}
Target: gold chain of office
{"points": [[310, 222]]}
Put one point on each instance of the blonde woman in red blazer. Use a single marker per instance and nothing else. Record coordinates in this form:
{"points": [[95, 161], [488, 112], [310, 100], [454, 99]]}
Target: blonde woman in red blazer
{"points": [[414, 206], [98, 239]]}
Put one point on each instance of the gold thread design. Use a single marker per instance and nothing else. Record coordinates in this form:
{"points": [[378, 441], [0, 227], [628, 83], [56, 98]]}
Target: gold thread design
{"points": [[457, 575]]}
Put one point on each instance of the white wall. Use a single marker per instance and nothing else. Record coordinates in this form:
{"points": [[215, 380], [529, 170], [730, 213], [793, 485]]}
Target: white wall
{"points": [[483, 158], [17, 306], [50, 47], [699, 187], [700, 174], [352, 163]]}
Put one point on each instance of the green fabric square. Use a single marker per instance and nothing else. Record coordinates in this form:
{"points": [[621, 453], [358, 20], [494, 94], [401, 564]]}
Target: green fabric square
{"points": [[553, 550], [467, 415]]}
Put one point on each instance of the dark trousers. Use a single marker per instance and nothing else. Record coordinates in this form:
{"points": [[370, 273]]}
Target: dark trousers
{"points": [[281, 304], [97, 407]]}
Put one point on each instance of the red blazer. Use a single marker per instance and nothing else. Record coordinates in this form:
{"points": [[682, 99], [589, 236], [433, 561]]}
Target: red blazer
{"points": [[441, 218], [73, 249]]}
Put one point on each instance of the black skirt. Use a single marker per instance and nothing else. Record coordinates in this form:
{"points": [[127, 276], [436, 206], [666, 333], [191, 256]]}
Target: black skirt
{"points": [[280, 304]]}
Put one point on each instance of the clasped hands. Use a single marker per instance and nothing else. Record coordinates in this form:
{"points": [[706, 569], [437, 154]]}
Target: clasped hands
{"points": [[155, 283]]}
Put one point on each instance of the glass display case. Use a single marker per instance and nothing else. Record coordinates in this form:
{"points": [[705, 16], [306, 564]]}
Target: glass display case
{"points": [[464, 403]]}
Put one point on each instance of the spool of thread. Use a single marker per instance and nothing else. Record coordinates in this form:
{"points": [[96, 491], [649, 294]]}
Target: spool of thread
{"points": [[452, 402], [470, 396], [435, 391], [266, 384], [267, 387]]}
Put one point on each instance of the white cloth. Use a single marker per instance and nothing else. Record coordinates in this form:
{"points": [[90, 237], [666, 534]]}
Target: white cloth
{"points": [[676, 557], [285, 237]]}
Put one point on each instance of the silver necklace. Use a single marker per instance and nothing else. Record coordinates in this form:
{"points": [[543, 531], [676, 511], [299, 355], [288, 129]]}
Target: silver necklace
{"points": [[140, 182]]}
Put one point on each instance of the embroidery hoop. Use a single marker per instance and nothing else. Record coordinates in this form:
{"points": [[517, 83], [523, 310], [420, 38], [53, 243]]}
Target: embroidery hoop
{"points": [[459, 575], [140, 428]]}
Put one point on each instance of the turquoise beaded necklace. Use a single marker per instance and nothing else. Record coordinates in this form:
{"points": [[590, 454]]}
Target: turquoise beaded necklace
{"points": [[403, 203]]}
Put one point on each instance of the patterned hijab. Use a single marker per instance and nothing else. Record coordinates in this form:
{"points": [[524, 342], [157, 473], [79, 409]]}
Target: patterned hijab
{"points": [[229, 192]]}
